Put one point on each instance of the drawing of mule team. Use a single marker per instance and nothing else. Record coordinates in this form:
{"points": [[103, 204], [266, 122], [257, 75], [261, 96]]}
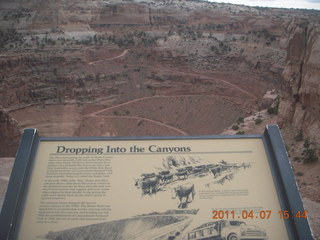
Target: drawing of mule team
{"points": [[176, 175]]}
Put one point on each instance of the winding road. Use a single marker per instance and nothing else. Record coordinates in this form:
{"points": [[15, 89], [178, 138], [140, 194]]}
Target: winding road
{"points": [[96, 114], [209, 78], [112, 58], [144, 119]]}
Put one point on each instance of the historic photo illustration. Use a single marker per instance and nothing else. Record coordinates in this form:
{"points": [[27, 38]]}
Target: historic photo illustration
{"points": [[152, 189]]}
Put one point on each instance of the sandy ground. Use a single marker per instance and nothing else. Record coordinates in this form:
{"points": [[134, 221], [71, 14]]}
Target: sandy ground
{"points": [[54, 120]]}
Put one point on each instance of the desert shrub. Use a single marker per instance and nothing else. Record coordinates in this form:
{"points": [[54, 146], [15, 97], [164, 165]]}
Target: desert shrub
{"points": [[240, 133], [10, 36], [270, 110], [299, 136], [224, 47], [235, 127], [287, 147], [258, 121], [300, 174], [275, 108], [214, 48], [240, 120], [309, 155], [221, 49]]}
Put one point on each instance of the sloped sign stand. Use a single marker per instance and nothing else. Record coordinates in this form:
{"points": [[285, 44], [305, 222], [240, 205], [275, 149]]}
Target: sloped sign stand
{"points": [[191, 187]]}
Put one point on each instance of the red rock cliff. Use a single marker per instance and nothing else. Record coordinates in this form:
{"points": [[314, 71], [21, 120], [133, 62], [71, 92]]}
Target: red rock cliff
{"points": [[300, 105], [9, 135]]}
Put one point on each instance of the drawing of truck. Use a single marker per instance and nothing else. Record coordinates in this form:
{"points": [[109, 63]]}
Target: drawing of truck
{"points": [[227, 230]]}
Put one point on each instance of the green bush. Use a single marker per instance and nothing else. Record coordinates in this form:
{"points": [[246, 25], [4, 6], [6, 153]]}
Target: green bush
{"points": [[258, 121], [270, 110], [10, 36], [235, 127], [240, 120], [299, 136], [240, 133], [309, 155], [275, 108]]}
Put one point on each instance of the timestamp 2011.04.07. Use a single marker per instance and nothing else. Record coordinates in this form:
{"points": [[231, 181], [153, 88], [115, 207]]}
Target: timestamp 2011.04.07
{"points": [[262, 214]]}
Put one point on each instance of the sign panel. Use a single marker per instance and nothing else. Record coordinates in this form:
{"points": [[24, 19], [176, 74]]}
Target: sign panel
{"points": [[155, 188]]}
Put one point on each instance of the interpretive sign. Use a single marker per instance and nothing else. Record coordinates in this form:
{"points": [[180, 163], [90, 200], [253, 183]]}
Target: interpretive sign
{"points": [[208, 187]]}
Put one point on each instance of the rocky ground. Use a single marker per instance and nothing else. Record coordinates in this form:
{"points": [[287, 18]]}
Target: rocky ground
{"points": [[5, 172]]}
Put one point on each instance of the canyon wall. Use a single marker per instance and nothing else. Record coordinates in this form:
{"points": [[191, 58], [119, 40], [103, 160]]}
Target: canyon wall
{"points": [[9, 135], [301, 86], [113, 52]]}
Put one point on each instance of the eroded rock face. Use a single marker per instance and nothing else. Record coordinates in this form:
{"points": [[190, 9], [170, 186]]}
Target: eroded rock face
{"points": [[9, 135], [300, 102]]}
